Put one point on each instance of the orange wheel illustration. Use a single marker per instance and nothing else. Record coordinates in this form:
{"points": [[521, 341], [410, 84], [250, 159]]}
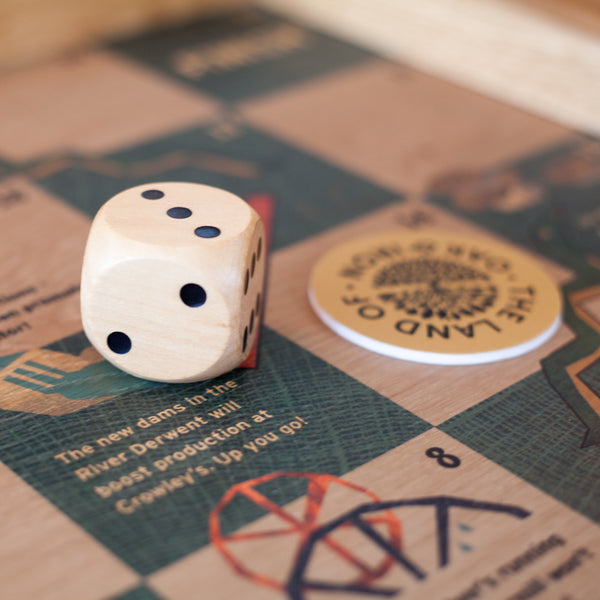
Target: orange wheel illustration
{"points": [[297, 530]]}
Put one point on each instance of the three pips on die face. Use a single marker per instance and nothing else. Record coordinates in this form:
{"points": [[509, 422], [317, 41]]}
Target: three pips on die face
{"points": [[172, 281]]}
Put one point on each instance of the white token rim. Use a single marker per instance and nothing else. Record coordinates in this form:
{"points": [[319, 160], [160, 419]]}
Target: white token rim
{"points": [[431, 358]]}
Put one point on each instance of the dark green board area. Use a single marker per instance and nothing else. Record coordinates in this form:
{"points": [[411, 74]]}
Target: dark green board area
{"points": [[310, 194], [228, 57], [529, 430], [346, 425]]}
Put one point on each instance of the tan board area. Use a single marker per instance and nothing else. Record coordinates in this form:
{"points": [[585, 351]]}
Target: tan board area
{"points": [[63, 561], [93, 103], [417, 126], [35, 224]]}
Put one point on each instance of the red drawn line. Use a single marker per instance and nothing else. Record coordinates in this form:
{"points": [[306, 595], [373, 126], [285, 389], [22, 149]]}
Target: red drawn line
{"points": [[237, 537], [317, 488]]}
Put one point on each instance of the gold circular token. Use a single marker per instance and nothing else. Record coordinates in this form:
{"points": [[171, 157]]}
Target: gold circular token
{"points": [[435, 297]]}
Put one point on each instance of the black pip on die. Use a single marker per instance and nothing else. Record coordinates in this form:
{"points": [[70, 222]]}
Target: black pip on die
{"points": [[172, 281]]}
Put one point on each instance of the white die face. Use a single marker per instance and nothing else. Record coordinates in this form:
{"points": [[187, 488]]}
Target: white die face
{"points": [[167, 321], [176, 214], [172, 281]]}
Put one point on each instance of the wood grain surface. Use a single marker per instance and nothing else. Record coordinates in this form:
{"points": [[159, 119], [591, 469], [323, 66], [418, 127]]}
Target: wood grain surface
{"points": [[35, 31], [189, 255], [328, 472], [533, 59]]}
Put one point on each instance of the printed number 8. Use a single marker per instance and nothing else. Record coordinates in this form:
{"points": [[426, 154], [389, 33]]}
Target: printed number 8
{"points": [[444, 460]]}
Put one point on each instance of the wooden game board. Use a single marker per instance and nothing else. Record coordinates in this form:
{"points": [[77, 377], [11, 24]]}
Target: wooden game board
{"points": [[327, 471]]}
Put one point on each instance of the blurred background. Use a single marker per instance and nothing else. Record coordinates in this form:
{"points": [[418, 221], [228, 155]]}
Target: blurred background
{"points": [[541, 55]]}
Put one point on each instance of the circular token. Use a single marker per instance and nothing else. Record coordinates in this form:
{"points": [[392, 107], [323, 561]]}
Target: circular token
{"points": [[435, 297]]}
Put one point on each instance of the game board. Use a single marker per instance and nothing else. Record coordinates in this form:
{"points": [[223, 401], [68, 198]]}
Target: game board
{"points": [[326, 471]]}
